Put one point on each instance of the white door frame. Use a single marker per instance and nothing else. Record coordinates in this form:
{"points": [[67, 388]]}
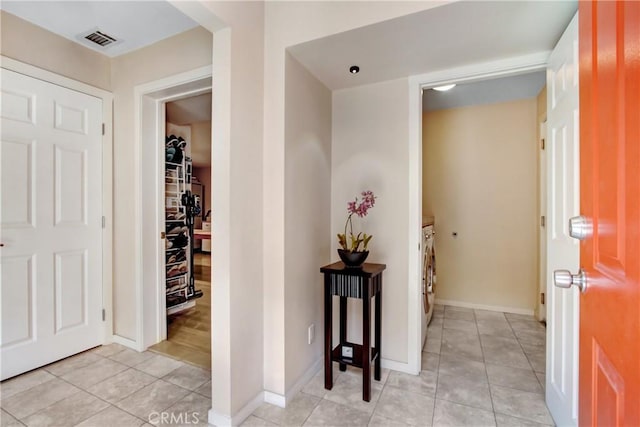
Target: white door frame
{"points": [[150, 106], [467, 74], [107, 173]]}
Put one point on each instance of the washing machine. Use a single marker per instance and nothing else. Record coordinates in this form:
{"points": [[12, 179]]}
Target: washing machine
{"points": [[428, 273]]}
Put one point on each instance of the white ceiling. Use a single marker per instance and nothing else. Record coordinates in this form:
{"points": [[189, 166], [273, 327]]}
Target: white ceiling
{"points": [[136, 23], [189, 110], [453, 35], [485, 92]]}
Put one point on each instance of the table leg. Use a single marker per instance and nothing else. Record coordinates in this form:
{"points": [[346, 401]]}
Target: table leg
{"points": [[328, 365], [366, 342], [343, 326], [378, 326]]}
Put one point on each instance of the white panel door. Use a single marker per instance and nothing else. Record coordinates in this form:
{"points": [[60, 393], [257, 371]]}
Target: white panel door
{"points": [[563, 194], [50, 222]]}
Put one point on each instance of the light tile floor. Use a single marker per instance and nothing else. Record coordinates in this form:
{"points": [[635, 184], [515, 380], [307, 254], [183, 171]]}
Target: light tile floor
{"points": [[480, 368], [109, 386]]}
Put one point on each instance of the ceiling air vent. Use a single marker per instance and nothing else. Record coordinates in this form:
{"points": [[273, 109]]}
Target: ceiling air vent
{"points": [[98, 38]]}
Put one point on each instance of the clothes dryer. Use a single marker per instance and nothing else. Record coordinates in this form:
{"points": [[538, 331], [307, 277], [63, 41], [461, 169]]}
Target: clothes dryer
{"points": [[428, 273]]}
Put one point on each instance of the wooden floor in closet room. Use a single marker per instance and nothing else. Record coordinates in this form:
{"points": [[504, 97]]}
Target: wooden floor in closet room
{"points": [[189, 333]]}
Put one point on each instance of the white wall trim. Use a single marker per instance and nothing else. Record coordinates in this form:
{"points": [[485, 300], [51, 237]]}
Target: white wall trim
{"points": [[125, 342], [464, 304], [275, 399], [414, 303], [176, 79], [500, 68], [51, 77], [483, 70], [220, 420], [107, 173], [282, 400], [161, 90], [394, 365]]}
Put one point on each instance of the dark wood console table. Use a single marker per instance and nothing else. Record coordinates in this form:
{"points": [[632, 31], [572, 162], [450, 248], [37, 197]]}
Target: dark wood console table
{"points": [[363, 283]]}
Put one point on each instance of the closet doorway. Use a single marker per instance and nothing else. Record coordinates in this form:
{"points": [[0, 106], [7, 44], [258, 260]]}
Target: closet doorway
{"points": [[187, 212]]}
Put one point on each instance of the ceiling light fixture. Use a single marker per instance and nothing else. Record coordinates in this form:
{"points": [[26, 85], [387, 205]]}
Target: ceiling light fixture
{"points": [[354, 69], [445, 87]]}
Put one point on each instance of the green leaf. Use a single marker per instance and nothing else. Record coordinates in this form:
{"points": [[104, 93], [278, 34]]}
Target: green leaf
{"points": [[342, 241], [366, 240]]}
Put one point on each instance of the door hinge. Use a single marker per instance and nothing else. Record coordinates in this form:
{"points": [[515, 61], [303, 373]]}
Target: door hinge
{"points": [[104, 222], [103, 129], [104, 315], [541, 297], [542, 143], [543, 221]]}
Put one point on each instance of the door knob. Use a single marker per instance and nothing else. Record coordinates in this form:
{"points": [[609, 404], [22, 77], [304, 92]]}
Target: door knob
{"points": [[580, 227], [564, 279]]}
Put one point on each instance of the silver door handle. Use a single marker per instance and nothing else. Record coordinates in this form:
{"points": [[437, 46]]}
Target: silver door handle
{"points": [[564, 279], [580, 227]]}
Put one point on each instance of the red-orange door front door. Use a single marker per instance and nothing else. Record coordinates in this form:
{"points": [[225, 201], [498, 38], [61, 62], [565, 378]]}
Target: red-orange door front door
{"points": [[610, 198]]}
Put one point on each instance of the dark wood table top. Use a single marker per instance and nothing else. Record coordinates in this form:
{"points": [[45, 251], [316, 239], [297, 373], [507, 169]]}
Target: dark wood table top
{"points": [[366, 270]]}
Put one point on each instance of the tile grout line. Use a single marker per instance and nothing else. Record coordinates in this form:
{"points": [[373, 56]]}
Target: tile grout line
{"points": [[99, 398], [486, 372], [532, 368], [523, 351], [535, 373], [314, 408], [59, 377], [435, 392], [115, 404]]}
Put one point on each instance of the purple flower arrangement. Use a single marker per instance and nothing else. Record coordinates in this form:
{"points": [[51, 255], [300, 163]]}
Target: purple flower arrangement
{"points": [[360, 209]]}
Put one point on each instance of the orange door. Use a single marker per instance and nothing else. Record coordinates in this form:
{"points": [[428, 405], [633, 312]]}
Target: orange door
{"points": [[610, 197]]}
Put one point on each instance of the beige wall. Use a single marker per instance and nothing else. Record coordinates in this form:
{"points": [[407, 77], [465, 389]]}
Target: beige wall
{"points": [[307, 214], [184, 52], [370, 152], [201, 142], [480, 180], [25, 42]]}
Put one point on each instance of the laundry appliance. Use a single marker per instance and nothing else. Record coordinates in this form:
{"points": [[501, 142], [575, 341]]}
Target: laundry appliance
{"points": [[428, 272]]}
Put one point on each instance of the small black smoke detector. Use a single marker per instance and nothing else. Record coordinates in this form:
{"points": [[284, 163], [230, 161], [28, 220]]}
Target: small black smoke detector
{"points": [[354, 69]]}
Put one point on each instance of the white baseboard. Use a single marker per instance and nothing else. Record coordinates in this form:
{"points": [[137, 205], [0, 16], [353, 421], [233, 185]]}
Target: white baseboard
{"points": [[484, 307], [275, 399], [216, 419], [244, 412], [397, 366], [125, 342], [280, 400]]}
